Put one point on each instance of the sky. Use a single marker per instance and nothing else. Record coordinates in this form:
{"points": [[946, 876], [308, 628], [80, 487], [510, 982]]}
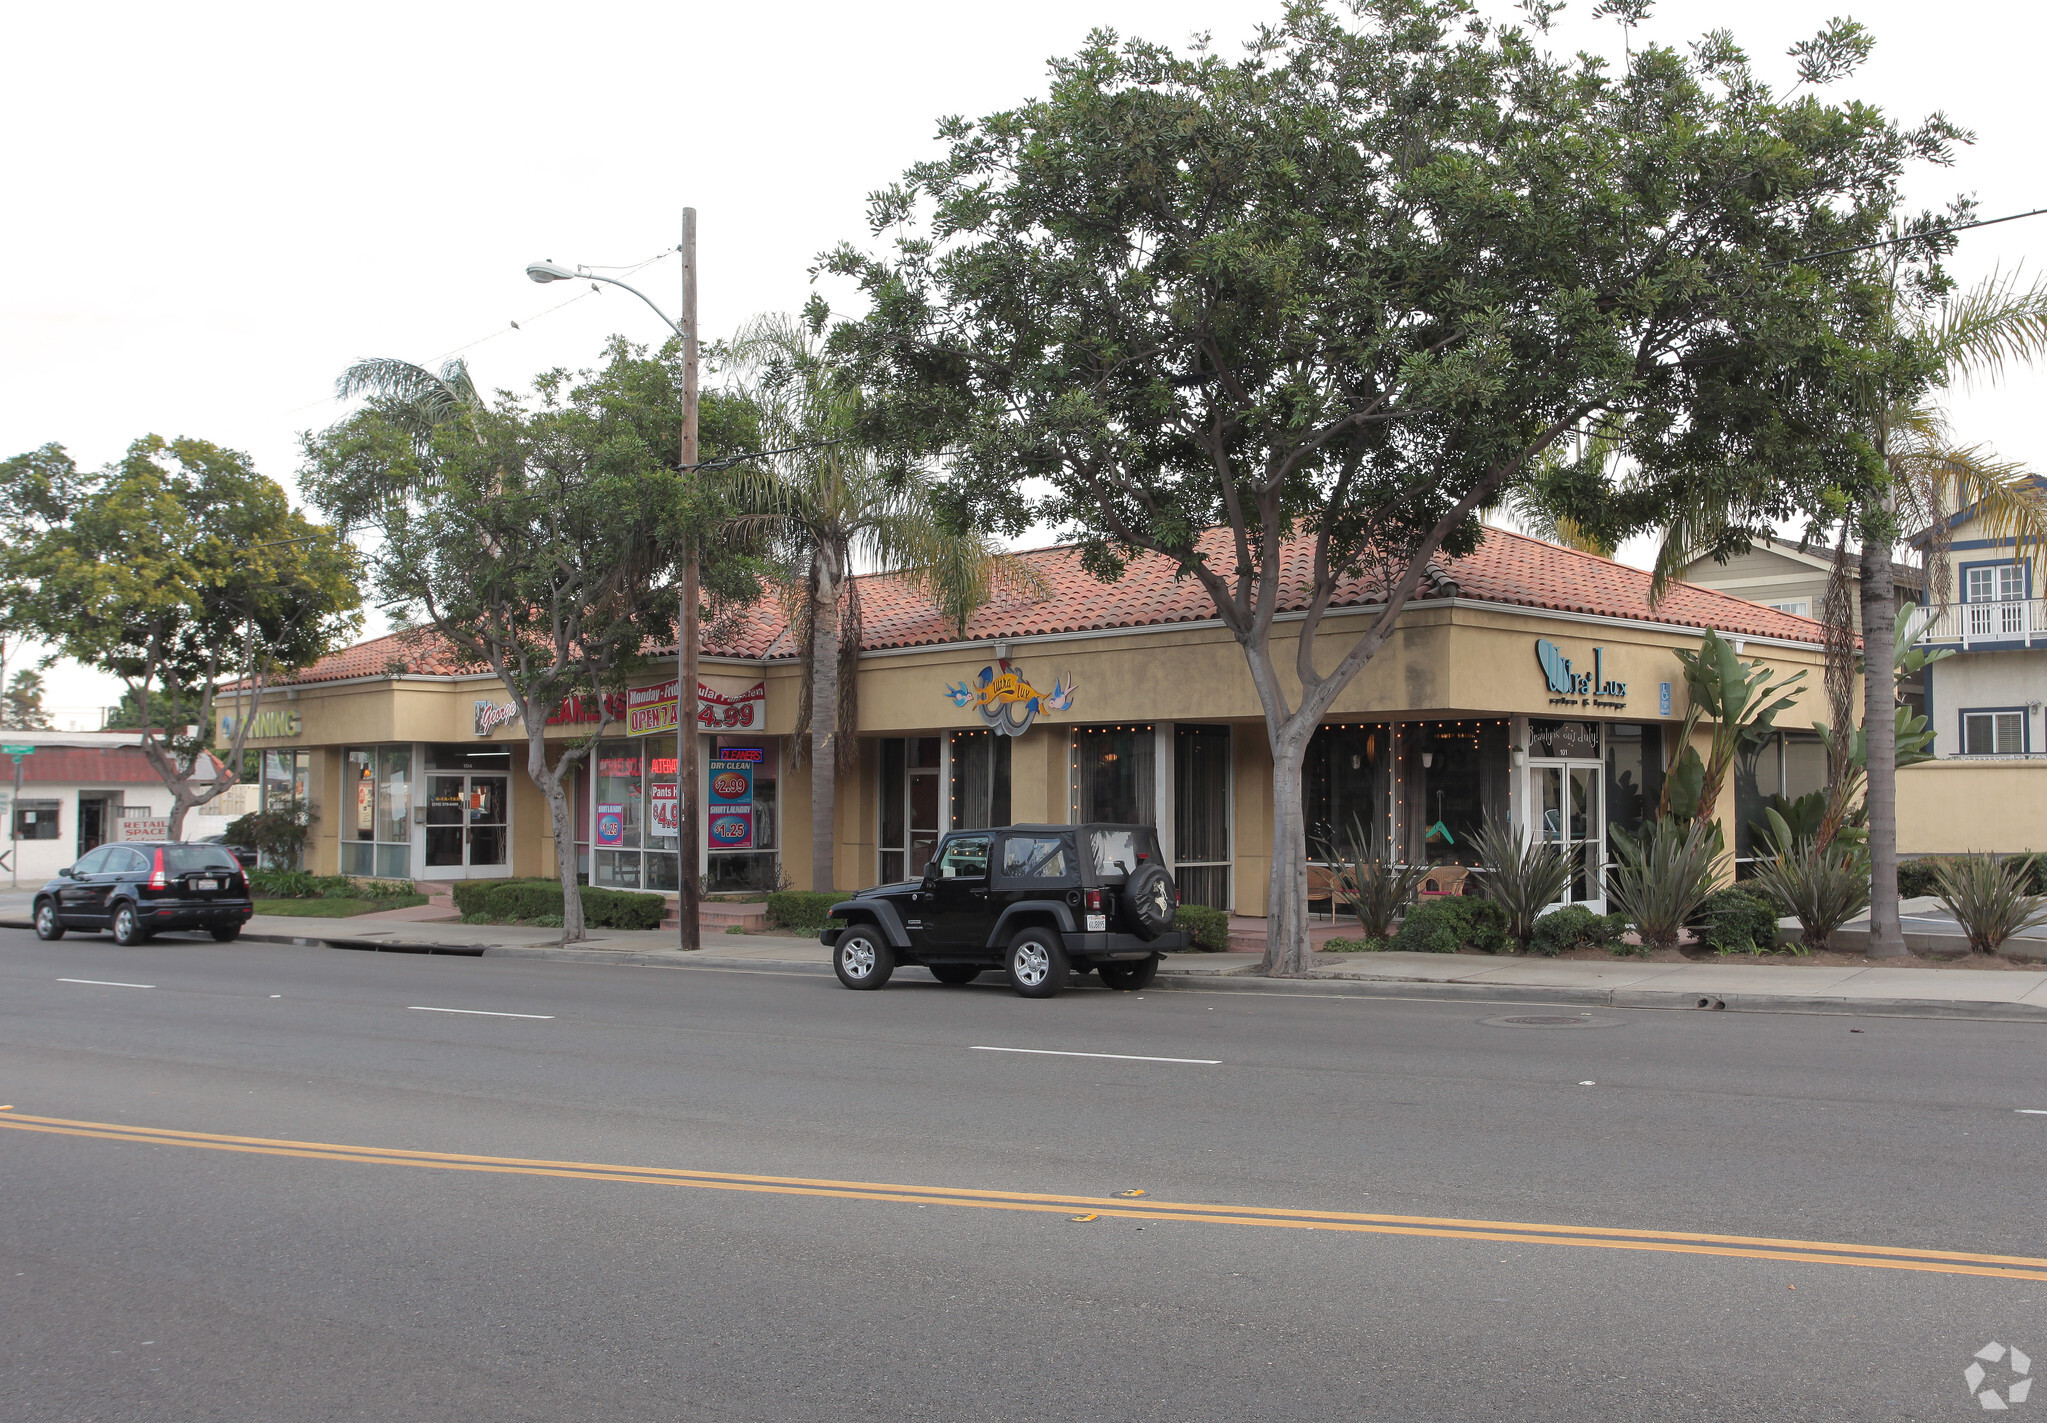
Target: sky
{"points": [[218, 207]]}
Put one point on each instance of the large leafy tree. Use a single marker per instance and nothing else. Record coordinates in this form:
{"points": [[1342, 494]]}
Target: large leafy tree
{"points": [[1922, 338], [1335, 297], [181, 570], [536, 536], [826, 505]]}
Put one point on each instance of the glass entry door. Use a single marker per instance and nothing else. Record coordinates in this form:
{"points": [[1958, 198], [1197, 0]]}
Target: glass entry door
{"points": [[1566, 797], [465, 822]]}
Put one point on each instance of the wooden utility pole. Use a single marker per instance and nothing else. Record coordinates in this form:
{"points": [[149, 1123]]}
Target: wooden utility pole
{"points": [[688, 817]]}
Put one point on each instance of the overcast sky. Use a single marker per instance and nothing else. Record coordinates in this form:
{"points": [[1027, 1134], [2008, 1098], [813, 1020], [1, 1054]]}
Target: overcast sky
{"points": [[217, 207]]}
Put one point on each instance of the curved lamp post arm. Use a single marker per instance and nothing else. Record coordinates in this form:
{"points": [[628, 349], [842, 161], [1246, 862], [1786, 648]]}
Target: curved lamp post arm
{"points": [[550, 272]]}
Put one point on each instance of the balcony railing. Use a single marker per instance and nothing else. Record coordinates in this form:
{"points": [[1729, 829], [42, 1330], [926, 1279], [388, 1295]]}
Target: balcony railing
{"points": [[2017, 620]]}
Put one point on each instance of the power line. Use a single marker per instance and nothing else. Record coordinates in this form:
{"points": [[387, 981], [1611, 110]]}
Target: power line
{"points": [[1914, 237], [727, 461]]}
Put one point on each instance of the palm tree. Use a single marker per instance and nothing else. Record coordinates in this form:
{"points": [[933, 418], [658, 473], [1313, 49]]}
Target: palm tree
{"points": [[414, 399], [826, 506], [1931, 478]]}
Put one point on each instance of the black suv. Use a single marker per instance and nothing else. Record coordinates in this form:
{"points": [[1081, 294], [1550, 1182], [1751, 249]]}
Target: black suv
{"points": [[1037, 901], [143, 886]]}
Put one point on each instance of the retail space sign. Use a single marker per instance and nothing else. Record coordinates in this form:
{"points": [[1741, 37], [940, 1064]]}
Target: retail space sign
{"points": [[1005, 702], [492, 715], [732, 705], [143, 826], [609, 831], [263, 724], [1571, 688], [728, 809]]}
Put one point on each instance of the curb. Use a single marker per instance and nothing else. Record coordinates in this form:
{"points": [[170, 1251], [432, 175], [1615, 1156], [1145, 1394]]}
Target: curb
{"points": [[1640, 998], [1246, 983]]}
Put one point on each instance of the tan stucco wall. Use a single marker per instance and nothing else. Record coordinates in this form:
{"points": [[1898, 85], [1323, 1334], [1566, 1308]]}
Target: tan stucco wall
{"points": [[1945, 807], [1444, 661]]}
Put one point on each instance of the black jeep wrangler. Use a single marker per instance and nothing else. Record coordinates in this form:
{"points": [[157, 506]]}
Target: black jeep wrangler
{"points": [[1038, 902]]}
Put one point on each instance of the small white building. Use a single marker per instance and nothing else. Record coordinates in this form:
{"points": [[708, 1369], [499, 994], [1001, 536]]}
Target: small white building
{"points": [[79, 789]]}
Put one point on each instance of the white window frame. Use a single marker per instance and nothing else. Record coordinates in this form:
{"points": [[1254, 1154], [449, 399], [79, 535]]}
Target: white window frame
{"points": [[2000, 720]]}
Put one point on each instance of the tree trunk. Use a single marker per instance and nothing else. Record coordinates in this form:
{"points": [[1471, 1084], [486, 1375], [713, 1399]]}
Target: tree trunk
{"points": [[1880, 734], [824, 724], [550, 784], [1288, 952]]}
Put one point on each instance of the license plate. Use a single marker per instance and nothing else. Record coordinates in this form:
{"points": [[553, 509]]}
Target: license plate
{"points": [[1097, 923], [206, 884]]}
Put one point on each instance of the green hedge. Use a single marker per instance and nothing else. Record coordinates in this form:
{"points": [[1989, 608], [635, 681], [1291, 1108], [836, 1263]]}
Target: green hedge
{"points": [[1915, 877], [804, 910], [1576, 927], [1444, 926], [1737, 921], [1207, 929], [508, 900]]}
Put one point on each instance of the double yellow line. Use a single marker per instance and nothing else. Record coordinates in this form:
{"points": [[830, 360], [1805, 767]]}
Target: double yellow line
{"points": [[1811, 1252]]}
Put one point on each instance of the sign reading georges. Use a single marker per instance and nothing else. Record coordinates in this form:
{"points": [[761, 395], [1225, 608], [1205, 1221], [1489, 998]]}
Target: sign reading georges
{"points": [[492, 715], [1572, 688]]}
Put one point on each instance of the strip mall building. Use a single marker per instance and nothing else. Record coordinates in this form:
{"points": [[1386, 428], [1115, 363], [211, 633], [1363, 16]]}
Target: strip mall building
{"points": [[1528, 683]]}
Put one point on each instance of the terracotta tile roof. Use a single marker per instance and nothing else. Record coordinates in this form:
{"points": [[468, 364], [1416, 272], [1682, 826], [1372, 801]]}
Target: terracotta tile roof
{"points": [[88, 765], [1507, 568]]}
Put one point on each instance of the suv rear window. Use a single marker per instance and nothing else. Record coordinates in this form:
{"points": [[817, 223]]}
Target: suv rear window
{"points": [[189, 859], [1036, 857], [1116, 851]]}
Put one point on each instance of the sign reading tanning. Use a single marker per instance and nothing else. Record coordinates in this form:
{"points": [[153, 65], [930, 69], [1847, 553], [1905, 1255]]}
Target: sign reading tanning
{"points": [[1570, 687]]}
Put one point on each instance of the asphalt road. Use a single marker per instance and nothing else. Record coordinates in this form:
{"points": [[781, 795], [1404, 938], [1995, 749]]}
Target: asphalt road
{"points": [[842, 1267]]}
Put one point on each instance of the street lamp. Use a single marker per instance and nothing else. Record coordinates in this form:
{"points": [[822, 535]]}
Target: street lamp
{"points": [[551, 271], [688, 853]]}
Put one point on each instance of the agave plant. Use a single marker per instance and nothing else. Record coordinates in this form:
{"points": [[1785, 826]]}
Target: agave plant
{"points": [[1663, 878], [1988, 898], [1521, 878], [1377, 890], [1822, 886]]}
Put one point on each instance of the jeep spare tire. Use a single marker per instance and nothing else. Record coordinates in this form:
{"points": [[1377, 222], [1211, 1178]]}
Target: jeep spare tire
{"points": [[1150, 900]]}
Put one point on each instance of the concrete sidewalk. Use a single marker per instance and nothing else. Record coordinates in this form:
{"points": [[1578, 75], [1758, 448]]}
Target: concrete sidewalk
{"points": [[1911, 990]]}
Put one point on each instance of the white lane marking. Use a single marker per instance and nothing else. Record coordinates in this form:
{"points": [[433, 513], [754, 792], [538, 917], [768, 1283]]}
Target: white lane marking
{"points": [[105, 983], [2031, 1111], [478, 1012], [1119, 1056]]}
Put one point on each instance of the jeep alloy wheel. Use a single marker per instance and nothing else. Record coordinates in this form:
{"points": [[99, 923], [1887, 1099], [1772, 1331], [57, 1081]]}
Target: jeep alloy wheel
{"points": [[861, 959], [1036, 963]]}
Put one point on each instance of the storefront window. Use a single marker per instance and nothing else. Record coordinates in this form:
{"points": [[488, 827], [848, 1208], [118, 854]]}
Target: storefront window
{"points": [[376, 798], [1634, 774], [1453, 781], [286, 778], [1201, 814], [1112, 776], [909, 812], [1344, 785], [980, 780], [1789, 764], [741, 812], [615, 817]]}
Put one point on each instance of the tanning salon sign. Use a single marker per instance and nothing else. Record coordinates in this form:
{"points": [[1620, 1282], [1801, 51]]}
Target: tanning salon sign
{"points": [[1571, 688]]}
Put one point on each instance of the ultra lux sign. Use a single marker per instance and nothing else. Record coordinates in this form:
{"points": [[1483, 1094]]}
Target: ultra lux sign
{"points": [[1570, 687]]}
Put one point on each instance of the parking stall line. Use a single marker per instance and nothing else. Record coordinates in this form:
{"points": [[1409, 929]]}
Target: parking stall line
{"points": [[1118, 1056], [477, 1012]]}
